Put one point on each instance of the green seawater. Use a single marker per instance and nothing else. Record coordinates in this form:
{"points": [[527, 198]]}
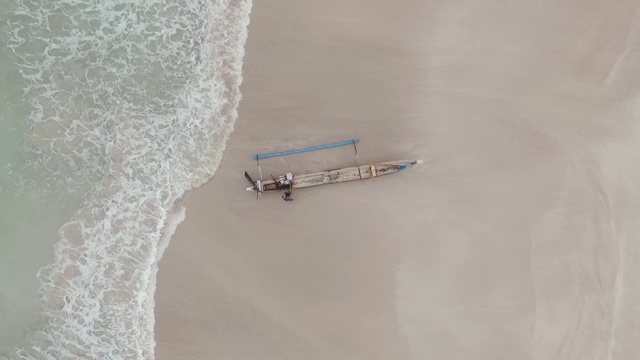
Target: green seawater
{"points": [[109, 111], [29, 215]]}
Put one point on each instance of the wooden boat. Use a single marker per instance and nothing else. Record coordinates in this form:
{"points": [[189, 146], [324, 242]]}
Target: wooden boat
{"points": [[358, 172], [333, 176]]}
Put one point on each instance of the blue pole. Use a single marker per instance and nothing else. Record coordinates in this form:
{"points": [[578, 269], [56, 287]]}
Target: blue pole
{"points": [[298, 151]]}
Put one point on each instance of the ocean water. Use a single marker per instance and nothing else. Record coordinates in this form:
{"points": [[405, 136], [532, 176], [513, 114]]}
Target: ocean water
{"points": [[111, 110]]}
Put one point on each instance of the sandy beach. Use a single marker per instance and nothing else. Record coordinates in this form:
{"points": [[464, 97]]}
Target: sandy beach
{"points": [[517, 238]]}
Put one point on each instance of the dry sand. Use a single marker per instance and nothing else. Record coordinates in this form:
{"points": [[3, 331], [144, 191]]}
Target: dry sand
{"points": [[518, 237]]}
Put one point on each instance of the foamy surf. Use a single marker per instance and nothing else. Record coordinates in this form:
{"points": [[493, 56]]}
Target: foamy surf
{"points": [[132, 104]]}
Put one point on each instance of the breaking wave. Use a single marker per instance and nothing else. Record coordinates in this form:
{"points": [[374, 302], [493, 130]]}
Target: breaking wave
{"points": [[131, 106]]}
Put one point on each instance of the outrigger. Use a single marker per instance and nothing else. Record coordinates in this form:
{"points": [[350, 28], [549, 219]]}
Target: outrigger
{"points": [[358, 172]]}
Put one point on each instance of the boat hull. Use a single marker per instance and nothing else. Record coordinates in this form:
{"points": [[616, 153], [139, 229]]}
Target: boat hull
{"points": [[335, 176]]}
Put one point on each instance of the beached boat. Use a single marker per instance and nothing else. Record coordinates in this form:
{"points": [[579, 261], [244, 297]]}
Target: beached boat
{"points": [[358, 172]]}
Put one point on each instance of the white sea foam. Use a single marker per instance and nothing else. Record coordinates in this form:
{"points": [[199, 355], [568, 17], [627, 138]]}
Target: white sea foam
{"points": [[132, 106]]}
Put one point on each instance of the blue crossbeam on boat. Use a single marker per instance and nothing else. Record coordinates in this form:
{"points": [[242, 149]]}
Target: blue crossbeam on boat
{"points": [[298, 151]]}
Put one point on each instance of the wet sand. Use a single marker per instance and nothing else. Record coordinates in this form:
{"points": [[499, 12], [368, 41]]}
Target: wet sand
{"points": [[514, 240]]}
